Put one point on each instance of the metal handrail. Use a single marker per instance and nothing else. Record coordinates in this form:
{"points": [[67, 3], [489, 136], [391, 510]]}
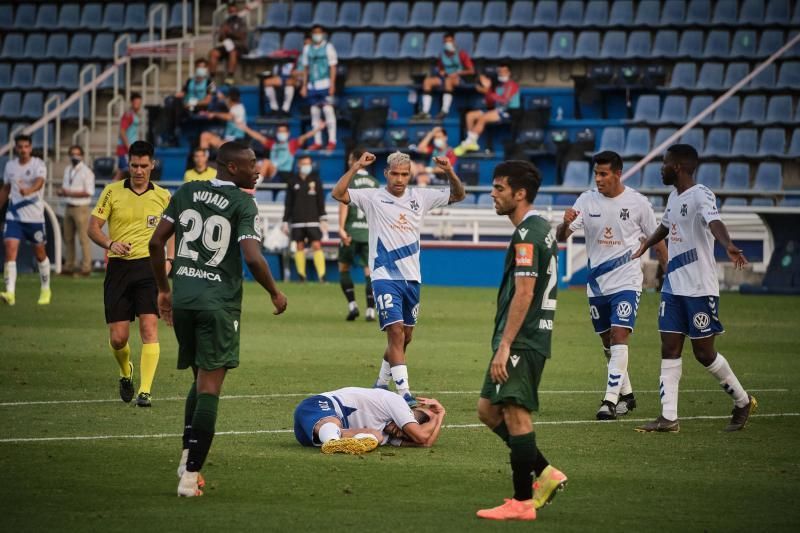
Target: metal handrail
{"points": [[92, 68], [122, 39], [117, 100], [158, 8], [54, 99], [154, 71], [83, 130]]}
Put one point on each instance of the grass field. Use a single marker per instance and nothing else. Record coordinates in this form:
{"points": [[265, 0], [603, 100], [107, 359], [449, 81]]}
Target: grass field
{"points": [[74, 457]]}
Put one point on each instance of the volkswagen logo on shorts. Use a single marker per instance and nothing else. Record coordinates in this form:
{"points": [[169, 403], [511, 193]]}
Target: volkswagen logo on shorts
{"points": [[624, 309], [415, 311], [38, 236], [701, 321]]}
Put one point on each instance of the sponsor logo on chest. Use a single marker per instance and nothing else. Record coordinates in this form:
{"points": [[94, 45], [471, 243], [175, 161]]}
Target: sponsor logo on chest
{"points": [[191, 272]]}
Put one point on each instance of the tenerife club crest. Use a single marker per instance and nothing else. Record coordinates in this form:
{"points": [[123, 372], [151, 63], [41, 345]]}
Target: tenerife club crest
{"points": [[624, 214], [684, 210]]}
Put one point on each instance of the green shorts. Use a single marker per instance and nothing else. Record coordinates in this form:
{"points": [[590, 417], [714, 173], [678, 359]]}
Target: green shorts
{"points": [[522, 387], [355, 250], [207, 339]]}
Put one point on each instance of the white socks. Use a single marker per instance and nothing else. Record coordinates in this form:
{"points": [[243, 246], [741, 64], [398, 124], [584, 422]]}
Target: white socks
{"points": [[400, 377], [273, 99], [427, 100], [288, 96], [44, 272], [10, 276], [330, 122], [385, 374], [472, 137], [617, 369], [626, 387], [721, 370], [352, 305], [329, 431], [447, 101], [668, 390], [316, 116]]}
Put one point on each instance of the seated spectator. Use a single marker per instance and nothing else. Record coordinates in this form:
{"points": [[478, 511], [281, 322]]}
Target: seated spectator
{"points": [[235, 122], [198, 90], [288, 75], [201, 171], [128, 133], [232, 43], [502, 99], [282, 151], [433, 144], [319, 62], [453, 65]]}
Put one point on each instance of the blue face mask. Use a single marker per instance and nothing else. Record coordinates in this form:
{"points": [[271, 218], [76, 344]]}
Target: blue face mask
{"points": [[450, 47], [282, 136], [305, 170]]}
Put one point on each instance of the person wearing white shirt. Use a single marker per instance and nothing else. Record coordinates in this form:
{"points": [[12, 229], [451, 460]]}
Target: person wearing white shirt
{"points": [[614, 219], [690, 294], [77, 188], [23, 188], [394, 215]]}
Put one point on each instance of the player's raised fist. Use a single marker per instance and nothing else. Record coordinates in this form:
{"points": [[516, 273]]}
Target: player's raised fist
{"points": [[366, 160], [570, 215], [443, 163]]}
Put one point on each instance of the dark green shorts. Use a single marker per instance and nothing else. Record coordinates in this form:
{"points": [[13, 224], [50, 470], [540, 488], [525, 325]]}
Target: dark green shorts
{"points": [[522, 387], [355, 250], [207, 339]]}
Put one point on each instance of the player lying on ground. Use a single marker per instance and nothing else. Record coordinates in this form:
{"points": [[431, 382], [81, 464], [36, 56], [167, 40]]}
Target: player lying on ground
{"points": [[357, 420]]}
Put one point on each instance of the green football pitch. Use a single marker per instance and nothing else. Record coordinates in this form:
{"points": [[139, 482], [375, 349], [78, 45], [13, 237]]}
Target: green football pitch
{"points": [[74, 457]]}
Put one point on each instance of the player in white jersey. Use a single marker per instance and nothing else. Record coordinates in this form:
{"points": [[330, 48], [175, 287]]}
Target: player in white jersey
{"points": [[357, 420], [23, 188], [690, 294], [394, 215], [614, 219]]}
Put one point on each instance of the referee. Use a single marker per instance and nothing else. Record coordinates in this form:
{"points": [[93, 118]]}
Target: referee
{"points": [[132, 208], [303, 213]]}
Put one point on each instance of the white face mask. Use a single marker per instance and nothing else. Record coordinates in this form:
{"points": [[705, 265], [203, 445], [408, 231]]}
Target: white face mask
{"points": [[450, 47], [305, 170], [317, 37], [282, 136], [503, 79], [439, 143], [201, 72]]}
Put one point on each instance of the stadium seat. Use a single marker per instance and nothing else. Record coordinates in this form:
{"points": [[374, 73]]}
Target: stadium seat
{"points": [[301, 14], [446, 15], [794, 146], [564, 200], [469, 201], [665, 44], [777, 12], [762, 202], [536, 45], [511, 46], [718, 143], [710, 175], [546, 14], [22, 79], [277, 16], [422, 15], [465, 40], [662, 134], [789, 76], [639, 45], [634, 180], [396, 15], [373, 15], [737, 176], [103, 47], [770, 42], [674, 13], [5, 78], [293, 40], [734, 73], [656, 201], [388, 46], [3, 140], [521, 14], [562, 45], [487, 46], [698, 105], [648, 108], [779, 109], [764, 79], [324, 13], [47, 17], [613, 45], [637, 143], [36, 46], [349, 15], [612, 138], [710, 76], [773, 143], [68, 76], [745, 143], [7, 19], [718, 45], [690, 44], [495, 14], [280, 197], [588, 45], [684, 76], [769, 177], [14, 46], [727, 112], [576, 174], [596, 14], [743, 45], [135, 18], [694, 137], [674, 110], [648, 13], [175, 21], [734, 202], [753, 109], [363, 45], [91, 17], [79, 48], [543, 200], [433, 46], [268, 43], [752, 12], [25, 16], [468, 171], [571, 14], [413, 45], [725, 14], [651, 177], [621, 13], [32, 106], [113, 17]]}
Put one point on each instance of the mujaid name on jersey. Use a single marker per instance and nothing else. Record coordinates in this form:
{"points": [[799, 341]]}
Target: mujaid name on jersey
{"points": [[192, 272], [212, 198]]}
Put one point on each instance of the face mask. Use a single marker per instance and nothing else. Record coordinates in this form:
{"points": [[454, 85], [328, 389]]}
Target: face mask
{"points": [[316, 37], [305, 170], [282, 136], [502, 79], [75, 160], [450, 47], [439, 143], [201, 72]]}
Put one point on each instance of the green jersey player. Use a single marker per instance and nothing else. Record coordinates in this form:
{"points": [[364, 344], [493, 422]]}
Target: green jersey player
{"points": [[215, 223], [526, 305]]}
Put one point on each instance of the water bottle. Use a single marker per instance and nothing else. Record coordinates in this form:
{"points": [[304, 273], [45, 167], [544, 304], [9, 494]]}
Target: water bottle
{"points": [[560, 113]]}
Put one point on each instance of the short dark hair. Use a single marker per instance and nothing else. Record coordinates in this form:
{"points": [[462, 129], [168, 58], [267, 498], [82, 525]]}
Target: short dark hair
{"points": [[200, 60], [448, 35], [520, 175], [23, 137], [317, 27], [505, 64], [141, 149], [607, 157], [229, 151], [199, 149], [686, 156], [282, 125], [134, 96], [357, 152], [77, 147], [234, 94], [421, 416], [305, 156]]}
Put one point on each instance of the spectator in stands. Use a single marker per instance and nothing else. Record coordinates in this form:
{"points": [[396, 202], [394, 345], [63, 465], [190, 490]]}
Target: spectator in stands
{"points": [[77, 187], [282, 151], [235, 122], [435, 145], [502, 100], [453, 65], [304, 216], [201, 171], [288, 75], [198, 90], [128, 132], [319, 62], [233, 43]]}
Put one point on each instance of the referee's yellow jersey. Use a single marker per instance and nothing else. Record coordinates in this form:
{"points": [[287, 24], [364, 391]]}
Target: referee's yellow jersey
{"points": [[193, 175], [131, 217]]}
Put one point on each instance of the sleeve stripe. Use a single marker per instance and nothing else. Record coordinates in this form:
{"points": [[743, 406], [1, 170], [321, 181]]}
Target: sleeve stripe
{"points": [[254, 237], [167, 217]]}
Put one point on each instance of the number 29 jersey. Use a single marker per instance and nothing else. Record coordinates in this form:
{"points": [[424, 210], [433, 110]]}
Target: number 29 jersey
{"points": [[211, 218]]}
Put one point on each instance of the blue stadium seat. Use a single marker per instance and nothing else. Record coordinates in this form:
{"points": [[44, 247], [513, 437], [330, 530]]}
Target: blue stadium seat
{"points": [[789, 76], [794, 145], [639, 45], [725, 14], [753, 109], [103, 47], [648, 108], [613, 45], [543, 200], [710, 175], [3, 140], [349, 14], [576, 174], [324, 13], [637, 143], [301, 15], [546, 14], [342, 41], [277, 16], [388, 46], [752, 12], [488, 45], [470, 200], [648, 14], [521, 14], [433, 45], [674, 110], [91, 17], [710, 76], [562, 45], [396, 15], [36, 46], [135, 17], [734, 202], [47, 17], [511, 46], [665, 44], [674, 13], [22, 77], [5, 78], [413, 45], [564, 200], [465, 40], [113, 17], [536, 45], [651, 177], [79, 48], [634, 180], [727, 112], [690, 44], [718, 45], [280, 197], [596, 13], [621, 13], [693, 137], [777, 12], [743, 45], [268, 42], [769, 177], [745, 143], [770, 42], [495, 14], [588, 45], [68, 76], [612, 138], [471, 14], [779, 109], [446, 15], [293, 40], [422, 15], [363, 45], [571, 14], [32, 106], [762, 202], [718, 143], [737, 176], [684, 76], [764, 79], [14, 46], [373, 15], [735, 73], [7, 20], [175, 21], [773, 142], [25, 16]]}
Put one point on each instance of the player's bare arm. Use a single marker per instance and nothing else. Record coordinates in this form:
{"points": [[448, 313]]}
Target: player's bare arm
{"points": [[457, 192], [339, 192], [95, 232], [38, 184], [164, 232], [662, 255], [735, 254], [4, 192], [563, 232], [424, 435], [658, 235], [251, 250], [343, 235], [523, 296]]}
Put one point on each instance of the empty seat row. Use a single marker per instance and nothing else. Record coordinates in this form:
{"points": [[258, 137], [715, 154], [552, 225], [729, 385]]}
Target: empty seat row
{"points": [[43, 77], [115, 17], [752, 109], [525, 14], [58, 47], [30, 106], [717, 77]]}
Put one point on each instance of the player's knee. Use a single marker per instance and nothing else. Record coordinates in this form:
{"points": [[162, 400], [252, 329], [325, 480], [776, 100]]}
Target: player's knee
{"points": [[704, 356], [618, 336], [118, 339]]}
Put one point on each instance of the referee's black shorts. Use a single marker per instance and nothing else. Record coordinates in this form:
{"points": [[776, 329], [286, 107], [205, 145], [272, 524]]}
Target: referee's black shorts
{"points": [[129, 289], [306, 233]]}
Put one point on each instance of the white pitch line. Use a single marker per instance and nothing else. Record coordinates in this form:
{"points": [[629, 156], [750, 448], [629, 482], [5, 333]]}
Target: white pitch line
{"points": [[305, 394], [449, 426]]}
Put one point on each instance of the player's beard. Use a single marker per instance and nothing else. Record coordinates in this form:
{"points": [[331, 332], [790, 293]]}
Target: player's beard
{"points": [[669, 176]]}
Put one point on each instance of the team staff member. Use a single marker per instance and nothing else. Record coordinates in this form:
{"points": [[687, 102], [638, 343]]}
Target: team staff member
{"points": [[132, 208], [201, 171], [77, 188], [303, 212]]}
